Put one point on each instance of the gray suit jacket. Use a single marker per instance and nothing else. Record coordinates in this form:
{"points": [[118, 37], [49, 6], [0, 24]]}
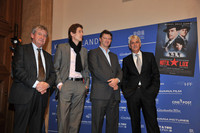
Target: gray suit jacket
{"points": [[101, 71], [62, 63]]}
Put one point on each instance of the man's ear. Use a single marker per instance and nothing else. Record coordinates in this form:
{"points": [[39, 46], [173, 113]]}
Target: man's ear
{"points": [[32, 35], [71, 33], [129, 46]]}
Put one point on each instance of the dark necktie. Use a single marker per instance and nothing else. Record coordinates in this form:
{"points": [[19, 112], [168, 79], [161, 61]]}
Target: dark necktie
{"points": [[138, 63], [186, 42], [41, 73]]}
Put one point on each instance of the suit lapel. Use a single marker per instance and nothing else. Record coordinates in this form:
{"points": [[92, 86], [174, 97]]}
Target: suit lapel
{"points": [[102, 55], [32, 55], [143, 60], [82, 57], [111, 59], [32, 60], [46, 62], [68, 55], [132, 63]]}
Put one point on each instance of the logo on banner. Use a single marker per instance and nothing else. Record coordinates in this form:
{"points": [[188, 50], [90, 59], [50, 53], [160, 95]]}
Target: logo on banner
{"points": [[188, 84], [86, 122], [93, 41], [165, 128], [124, 54], [139, 33], [125, 118], [55, 46], [88, 116], [88, 101], [174, 120], [87, 107], [177, 92], [122, 109], [123, 101], [168, 110], [122, 125], [182, 102]]}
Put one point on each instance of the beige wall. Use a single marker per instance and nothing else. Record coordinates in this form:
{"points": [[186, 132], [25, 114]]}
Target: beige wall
{"points": [[37, 12], [96, 15]]}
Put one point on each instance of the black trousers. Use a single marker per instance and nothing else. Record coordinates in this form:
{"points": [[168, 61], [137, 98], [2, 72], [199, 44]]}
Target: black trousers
{"points": [[139, 101], [108, 108], [30, 116]]}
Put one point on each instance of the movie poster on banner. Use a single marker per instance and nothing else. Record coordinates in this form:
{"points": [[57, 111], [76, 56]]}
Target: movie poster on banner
{"points": [[176, 48]]}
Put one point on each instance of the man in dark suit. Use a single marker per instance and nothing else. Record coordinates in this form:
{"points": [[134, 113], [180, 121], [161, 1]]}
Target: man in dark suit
{"points": [[184, 29], [140, 86], [172, 30], [105, 93], [71, 66], [33, 75]]}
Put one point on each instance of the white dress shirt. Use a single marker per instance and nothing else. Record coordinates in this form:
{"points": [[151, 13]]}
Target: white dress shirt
{"points": [[36, 59]]}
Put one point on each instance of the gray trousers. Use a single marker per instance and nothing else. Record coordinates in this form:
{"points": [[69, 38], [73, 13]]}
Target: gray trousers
{"points": [[70, 106]]}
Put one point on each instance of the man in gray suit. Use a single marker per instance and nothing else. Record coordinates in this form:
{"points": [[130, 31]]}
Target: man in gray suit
{"points": [[71, 67], [105, 93]]}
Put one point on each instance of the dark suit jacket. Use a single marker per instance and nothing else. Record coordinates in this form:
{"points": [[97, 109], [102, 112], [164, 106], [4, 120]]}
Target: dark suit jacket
{"points": [[171, 47], [25, 74], [149, 76], [101, 71]]}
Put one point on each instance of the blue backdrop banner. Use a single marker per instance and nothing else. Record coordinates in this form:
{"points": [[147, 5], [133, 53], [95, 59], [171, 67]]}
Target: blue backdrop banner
{"points": [[178, 101]]}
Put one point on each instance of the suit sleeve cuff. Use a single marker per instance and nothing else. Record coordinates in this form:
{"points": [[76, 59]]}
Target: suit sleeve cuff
{"points": [[59, 84], [35, 84], [118, 80]]}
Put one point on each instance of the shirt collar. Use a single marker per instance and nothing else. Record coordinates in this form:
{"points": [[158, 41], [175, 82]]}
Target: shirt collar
{"points": [[139, 53], [104, 50], [35, 47]]}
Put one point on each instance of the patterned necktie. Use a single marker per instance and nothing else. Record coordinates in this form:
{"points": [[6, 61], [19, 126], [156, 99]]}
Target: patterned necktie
{"points": [[41, 73], [138, 63]]}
